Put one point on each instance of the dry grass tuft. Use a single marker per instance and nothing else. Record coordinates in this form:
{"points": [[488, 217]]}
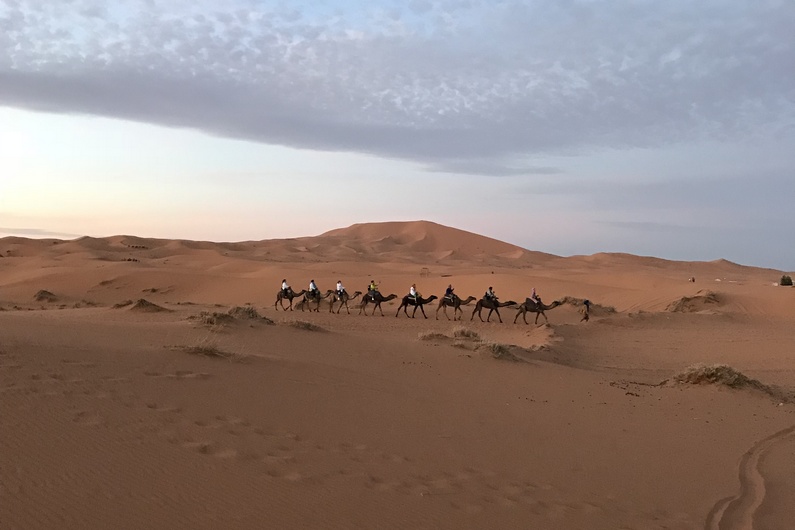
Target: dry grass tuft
{"points": [[462, 332], [499, 351], [303, 324], [213, 319], [244, 313], [85, 303], [431, 335], [125, 303], [208, 351]]}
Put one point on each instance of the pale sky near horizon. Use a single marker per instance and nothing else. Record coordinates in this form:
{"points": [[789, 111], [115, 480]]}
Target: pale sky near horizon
{"points": [[568, 126]]}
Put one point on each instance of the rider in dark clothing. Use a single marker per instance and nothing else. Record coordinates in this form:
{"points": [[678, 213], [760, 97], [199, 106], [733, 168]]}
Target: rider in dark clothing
{"points": [[448, 293]]}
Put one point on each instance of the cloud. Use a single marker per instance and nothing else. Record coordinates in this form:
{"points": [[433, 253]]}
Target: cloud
{"points": [[434, 83], [35, 232]]}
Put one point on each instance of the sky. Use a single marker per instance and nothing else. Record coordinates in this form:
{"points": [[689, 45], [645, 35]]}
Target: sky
{"points": [[571, 127]]}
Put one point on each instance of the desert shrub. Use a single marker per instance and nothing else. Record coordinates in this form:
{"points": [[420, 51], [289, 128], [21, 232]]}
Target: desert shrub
{"points": [[786, 280], [303, 324], [208, 350], [499, 351], [213, 319], [245, 312], [461, 332], [717, 374], [431, 335]]}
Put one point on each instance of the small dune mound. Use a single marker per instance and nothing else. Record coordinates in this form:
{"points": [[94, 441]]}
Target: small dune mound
{"points": [[45, 296], [580, 302], [721, 374], [245, 313], [236, 313], [145, 306], [717, 374], [691, 304], [123, 303]]}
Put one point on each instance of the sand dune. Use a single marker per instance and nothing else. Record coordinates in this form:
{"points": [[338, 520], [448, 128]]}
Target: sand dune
{"points": [[151, 383]]}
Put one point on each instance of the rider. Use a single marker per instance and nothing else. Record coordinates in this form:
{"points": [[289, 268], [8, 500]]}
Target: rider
{"points": [[285, 287], [413, 291], [313, 290], [340, 288], [490, 295], [372, 289], [586, 313], [448, 293], [534, 297]]}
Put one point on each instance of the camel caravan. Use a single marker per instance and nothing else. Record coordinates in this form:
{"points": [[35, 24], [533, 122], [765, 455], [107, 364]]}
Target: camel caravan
{"points": [[310, 299]]}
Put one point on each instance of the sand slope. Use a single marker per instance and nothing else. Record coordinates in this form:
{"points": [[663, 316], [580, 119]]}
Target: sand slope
{"points": [[138, 396]]}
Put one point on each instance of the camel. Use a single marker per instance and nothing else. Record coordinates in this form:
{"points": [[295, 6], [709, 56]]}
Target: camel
{"points": [[416, 302], [530, 306], [455, 302], [308, 298], [280, 296], [491, 306], [343, 300], [377, 299]]}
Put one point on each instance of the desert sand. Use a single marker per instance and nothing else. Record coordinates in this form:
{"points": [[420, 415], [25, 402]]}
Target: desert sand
{"points": [[149, 383]]}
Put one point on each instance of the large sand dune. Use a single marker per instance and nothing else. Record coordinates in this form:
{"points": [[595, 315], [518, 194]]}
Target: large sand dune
{"points": [[135, 395]]}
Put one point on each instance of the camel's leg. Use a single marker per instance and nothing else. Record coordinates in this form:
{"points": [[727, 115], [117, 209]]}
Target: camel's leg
{"points": [[379, 308], [498, 314], [517, 316], [413, 313], [422, 309], [473, 314]]}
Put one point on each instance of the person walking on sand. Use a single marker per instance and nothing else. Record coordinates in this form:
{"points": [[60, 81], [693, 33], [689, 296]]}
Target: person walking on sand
{"points": [[586, 311]]}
